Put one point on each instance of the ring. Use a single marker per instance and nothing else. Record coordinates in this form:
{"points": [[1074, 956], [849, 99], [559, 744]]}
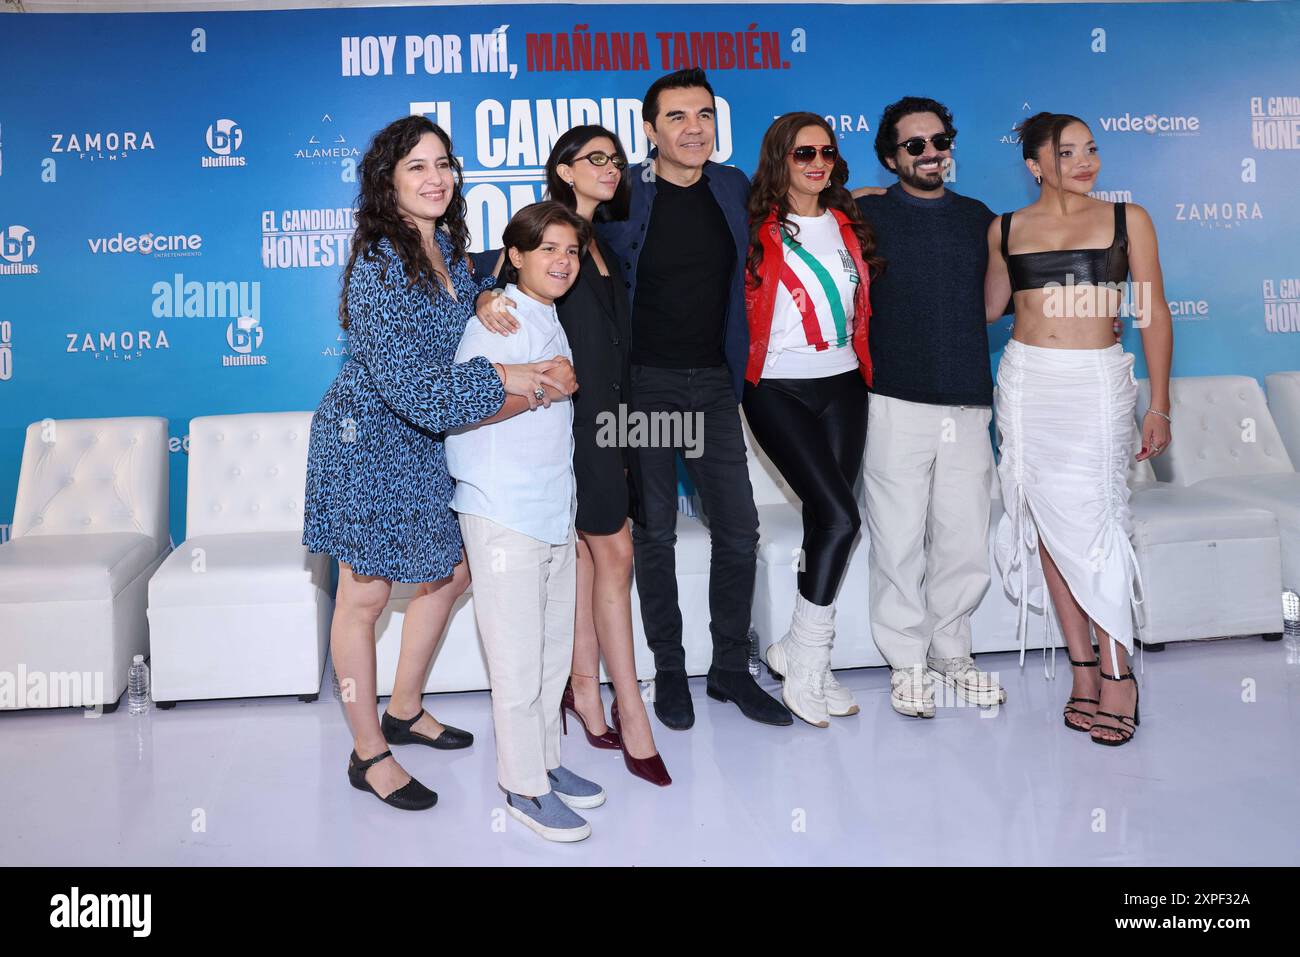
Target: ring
{"points": [[540, 394]]}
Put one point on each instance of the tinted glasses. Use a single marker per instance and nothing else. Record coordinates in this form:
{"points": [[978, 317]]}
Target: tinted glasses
{"points": [[600, 158], [803, 155], [916, 145]]}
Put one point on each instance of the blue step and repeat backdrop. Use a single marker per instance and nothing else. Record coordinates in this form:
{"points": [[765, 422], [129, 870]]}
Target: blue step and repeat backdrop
{"points": [[176, 189]]}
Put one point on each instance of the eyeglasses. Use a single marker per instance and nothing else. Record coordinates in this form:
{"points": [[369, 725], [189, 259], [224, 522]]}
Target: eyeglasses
{"points": [[916, 145], [803, 155], [600, 158]]}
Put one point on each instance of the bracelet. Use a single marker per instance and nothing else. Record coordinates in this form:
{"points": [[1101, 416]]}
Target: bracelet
{"points": [[1162, 415]]}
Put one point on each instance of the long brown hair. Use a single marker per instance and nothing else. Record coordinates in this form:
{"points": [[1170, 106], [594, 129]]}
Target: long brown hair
{"points": [[377, 214], [771, 184]]}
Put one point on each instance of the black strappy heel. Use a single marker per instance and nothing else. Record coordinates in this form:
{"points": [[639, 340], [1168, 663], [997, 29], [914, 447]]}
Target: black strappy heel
{"points": [[1127, 725], [411, 796], [398, 731], [1069, 705]]}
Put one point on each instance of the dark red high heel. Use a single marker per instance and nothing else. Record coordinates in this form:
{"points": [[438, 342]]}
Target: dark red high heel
{"points": [[609, 741], [648, 769]]}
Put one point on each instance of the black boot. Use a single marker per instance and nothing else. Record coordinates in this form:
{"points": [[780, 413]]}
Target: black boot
{"points": [[673, 703], [754, 703]]}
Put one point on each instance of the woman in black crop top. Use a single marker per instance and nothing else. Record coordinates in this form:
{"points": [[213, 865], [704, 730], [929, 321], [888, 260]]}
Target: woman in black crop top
{"points": [[1065, 406]]}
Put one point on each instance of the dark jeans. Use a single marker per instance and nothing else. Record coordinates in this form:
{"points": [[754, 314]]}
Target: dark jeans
{"points": [[721, 474], [815, 431]]}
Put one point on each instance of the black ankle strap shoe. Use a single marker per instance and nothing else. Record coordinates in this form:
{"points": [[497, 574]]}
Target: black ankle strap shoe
{"points": [[411, 796], [398, 731]]}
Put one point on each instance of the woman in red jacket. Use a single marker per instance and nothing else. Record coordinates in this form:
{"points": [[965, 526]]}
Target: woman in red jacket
{"points": [[810, 261]]}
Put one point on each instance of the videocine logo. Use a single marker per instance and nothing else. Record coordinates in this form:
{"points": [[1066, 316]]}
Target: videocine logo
{"points": [[160, 245], [224, 139], [17, 247], [1152, 123], [74, 909]]}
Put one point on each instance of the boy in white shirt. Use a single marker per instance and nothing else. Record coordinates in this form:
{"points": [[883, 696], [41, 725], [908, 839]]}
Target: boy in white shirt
{"points": [[515, 500]]}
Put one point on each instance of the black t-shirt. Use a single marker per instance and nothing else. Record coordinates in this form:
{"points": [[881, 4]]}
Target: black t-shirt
{"points": [[928, 336], [683, 280]]}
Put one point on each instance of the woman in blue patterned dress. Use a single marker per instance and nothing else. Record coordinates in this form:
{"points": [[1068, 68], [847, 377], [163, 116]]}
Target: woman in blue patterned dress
{"points": [[378, 491]]}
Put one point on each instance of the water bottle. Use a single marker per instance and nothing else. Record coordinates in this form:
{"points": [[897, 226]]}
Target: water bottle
{"points": [[753, 652], [1291, 615], [137, 686]]}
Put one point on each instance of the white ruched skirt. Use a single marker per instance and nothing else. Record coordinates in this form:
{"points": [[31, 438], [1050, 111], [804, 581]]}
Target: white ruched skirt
{"points": [[1065, 420]]}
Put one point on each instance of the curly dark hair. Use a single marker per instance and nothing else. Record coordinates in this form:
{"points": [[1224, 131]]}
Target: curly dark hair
{"points": [[565, 150], [887, 131], [771, 184], [377, 214]]}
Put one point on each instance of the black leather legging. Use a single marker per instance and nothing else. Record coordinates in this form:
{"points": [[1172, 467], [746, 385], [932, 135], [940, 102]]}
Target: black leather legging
{"points": [[815, 431]]}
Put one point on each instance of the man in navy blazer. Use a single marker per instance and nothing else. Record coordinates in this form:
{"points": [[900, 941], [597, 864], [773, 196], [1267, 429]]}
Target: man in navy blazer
{"points": [[683, 248]]}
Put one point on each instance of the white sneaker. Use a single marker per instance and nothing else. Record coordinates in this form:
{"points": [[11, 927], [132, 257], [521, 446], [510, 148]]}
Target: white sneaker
{"points": [[839, 700], [975, 686], [802, 685], [911, 692]]}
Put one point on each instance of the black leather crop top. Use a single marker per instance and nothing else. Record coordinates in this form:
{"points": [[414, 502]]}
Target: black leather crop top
{"points": [[1092, 266]]}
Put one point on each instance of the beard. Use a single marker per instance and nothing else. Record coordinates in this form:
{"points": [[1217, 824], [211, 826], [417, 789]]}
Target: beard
{"points": [[923, 181]]}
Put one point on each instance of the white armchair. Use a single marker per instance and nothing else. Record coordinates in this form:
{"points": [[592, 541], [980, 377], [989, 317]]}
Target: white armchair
{"points": [[1226, 444], [89, 528], [1283, 390], [242, 609], [1210, 568]]}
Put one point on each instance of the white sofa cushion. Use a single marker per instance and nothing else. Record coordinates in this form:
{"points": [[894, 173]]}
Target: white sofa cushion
{"points": [[38, 568], [1283, 390], [1171, 514], [246, 569]]}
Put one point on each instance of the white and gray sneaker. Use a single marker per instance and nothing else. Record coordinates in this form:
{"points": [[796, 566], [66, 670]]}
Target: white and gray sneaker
{"points": [[839, 700], [802, 683], [911, 692], [548, 817], [972, 685]]}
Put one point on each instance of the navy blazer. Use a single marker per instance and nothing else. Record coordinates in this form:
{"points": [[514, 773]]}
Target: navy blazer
{"points": [[730, 187]]}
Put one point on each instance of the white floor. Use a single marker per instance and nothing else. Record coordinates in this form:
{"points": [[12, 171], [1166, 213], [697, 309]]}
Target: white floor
{"points": [[1213, 777]]}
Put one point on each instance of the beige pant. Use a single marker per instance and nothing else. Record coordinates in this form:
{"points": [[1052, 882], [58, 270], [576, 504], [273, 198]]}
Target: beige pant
{"points": [[926, 477], [524, 597]]}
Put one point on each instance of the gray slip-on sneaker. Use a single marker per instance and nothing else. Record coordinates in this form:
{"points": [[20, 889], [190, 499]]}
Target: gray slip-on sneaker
{"points": [[575, 791], [548, 817]]}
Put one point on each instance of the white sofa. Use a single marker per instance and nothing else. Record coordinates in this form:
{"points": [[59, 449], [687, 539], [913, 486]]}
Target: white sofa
{"points": [[1226, 444], [458, 664], [89, 529], [242, 609], [993, 625], [1210, 568], [1283, 389]]}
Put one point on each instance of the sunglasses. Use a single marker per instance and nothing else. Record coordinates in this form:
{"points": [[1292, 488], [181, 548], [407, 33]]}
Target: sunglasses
{"points": [[803, 155], [916, 145], [600, 158]]}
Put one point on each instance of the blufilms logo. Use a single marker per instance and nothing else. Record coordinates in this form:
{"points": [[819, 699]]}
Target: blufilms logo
{"points": [[224, 138], [158, 245], [110, 146], [17, 247], [1154, 124], [244, 336]]}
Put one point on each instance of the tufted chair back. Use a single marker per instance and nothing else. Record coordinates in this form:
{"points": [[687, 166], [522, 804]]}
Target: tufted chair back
{"points": [[247, 473], [1222, 428], [93, 476], [1283, 390]]}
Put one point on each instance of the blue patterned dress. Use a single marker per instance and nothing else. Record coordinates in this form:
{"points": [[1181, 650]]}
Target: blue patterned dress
{"points": [[377, 484]]}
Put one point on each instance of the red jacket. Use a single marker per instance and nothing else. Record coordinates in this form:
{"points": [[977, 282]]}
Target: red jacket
{"points": [[760, 299]]}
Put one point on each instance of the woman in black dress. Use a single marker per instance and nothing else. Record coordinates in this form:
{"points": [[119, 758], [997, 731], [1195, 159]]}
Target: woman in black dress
{"points": [[585, 173]]}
